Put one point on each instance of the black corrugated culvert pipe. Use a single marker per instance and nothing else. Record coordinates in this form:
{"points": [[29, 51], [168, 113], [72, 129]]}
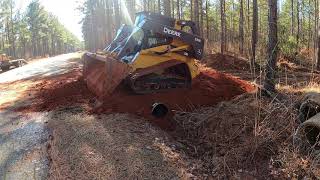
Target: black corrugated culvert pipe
{"points": [[159, 110], [308, 134]]}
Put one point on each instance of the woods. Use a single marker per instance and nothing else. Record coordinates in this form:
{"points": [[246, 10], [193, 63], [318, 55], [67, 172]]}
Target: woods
{"points": [[236, 26], [33, 32]]}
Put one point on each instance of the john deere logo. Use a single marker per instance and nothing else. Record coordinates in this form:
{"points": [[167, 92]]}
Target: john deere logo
{"points": [[172, 32]]}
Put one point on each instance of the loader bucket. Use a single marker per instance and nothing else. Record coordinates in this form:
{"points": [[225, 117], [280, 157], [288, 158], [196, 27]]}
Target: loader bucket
{"points": [[103, 73]]}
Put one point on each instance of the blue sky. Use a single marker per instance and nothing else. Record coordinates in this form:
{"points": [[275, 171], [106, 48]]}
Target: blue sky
{"points": [[65, 10]]}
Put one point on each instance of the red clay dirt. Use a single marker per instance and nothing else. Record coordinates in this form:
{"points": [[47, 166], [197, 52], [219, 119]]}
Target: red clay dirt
{"points": [[224, 62], [62, 90], [209, 88]]}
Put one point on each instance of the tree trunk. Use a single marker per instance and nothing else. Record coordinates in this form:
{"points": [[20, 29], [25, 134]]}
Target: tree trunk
{"points": [[108, 20], [196, 13], [159, 6], [309, 26], [117, 13], [298, 25], [292, 18], [167, 8], [172, 9], [191, 10], [272, 52], [178, 10], [241, 30], [233, 32], [12, 32], [201, 18], [317, 35], [207, 19], [254, 42], [248, 28], [223, 26]]}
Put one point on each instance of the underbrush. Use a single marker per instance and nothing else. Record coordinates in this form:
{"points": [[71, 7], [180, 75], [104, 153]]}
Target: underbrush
{"points": [[247, 137]]}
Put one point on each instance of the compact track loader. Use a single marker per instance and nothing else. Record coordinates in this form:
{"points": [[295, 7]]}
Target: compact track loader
{"points": [[156, 54]]}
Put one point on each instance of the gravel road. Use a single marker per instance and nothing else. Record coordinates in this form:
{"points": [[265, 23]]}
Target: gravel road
{"points": [[23, 137]]}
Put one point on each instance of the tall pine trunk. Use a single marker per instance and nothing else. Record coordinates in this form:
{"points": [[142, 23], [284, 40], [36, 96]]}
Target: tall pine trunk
{"points": [[167, 7], [255, 20], [309, 26], [272, 51], [201, 18], [178, 10], [207, 20], [196, 13], [159, 6], [298, 25], [292, 18], [317, 35], [241, 30], [223, 26]]}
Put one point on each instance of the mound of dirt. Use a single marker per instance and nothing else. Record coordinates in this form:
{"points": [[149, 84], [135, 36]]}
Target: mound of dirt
{"points": [[209, 88], [286, 64], [62, 90], [223, 62]]}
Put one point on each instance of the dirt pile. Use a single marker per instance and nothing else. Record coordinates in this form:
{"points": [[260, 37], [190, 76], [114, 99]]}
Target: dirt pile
{"points": [[62, 90], [209, 88], [285, 64], [222, 62]]}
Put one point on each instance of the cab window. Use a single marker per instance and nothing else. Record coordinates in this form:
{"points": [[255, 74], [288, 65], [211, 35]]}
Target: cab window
{"points": [[187, 29], [154, 40]]}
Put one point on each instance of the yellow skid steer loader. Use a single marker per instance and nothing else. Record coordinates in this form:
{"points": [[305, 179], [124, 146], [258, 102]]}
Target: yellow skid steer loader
{"points": [[156, 54]]}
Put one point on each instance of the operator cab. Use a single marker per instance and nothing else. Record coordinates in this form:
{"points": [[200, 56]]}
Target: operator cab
{"points": [[144, 39], [153, 30]]}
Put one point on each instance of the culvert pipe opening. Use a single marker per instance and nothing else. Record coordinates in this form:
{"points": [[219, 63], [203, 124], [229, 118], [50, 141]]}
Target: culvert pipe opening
{"points": [[307, 110], [159, 110], [308, 133]]}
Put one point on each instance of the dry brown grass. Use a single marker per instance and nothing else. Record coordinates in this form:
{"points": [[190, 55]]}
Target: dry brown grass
{"points": [[116, 146], [247, 137]]}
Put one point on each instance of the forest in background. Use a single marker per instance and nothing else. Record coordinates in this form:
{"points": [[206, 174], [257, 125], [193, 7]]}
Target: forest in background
{"points": [[33, 32], [232, 26]]}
